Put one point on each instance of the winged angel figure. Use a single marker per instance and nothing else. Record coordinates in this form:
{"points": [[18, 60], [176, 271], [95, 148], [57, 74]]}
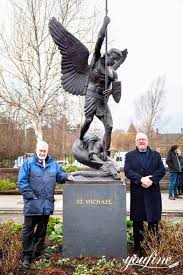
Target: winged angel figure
{"points": [[80, 78]]}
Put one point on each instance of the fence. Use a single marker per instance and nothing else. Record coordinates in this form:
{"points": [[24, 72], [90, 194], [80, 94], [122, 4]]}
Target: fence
{"points": [[13, 162], [66, 159], [7, 163]]}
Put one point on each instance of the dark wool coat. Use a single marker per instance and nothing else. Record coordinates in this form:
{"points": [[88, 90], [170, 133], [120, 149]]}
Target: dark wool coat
{"points": [[173, 162], [145, 203]]}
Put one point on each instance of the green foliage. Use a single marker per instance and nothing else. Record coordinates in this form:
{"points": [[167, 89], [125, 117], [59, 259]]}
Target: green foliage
{"points": [[70, 168], [7, 185], [52, 222], [83, 269], [13, 178], [52, 249], [17, 228], [129, 231], [42, 263], [85, 266], [55, 230]]}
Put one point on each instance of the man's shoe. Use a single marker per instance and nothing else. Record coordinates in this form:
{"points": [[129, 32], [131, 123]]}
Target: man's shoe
{"points": [[38, 253], [26, 262], [41, 253], [171, 198]]}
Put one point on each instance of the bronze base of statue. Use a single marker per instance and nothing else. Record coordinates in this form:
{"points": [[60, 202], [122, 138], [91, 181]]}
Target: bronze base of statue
{"points": [[89, 152]]}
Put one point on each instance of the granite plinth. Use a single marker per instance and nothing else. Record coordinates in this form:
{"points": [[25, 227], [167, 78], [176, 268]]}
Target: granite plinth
{"points": [[94, 218]]}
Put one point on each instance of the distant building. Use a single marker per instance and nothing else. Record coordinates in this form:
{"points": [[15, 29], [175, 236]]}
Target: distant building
{"points": [[163, 142], [125, 141], [132, 130]]}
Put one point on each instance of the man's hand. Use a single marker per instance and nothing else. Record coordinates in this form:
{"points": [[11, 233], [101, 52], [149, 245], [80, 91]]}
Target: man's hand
{"points": [[146, 182], [71, 178]]}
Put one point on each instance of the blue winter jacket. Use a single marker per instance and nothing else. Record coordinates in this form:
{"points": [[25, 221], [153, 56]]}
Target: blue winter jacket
{"points": [[37, 184]]}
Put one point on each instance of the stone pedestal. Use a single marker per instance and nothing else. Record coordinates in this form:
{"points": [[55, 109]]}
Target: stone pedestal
{"points": [[94, 218]]}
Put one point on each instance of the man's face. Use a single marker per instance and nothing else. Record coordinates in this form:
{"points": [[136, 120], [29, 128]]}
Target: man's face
{"points": [[141, 142], [42, 152]]}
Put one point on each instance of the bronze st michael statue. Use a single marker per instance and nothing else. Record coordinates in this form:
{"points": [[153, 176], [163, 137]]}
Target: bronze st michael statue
{"points": [[80, 78]]}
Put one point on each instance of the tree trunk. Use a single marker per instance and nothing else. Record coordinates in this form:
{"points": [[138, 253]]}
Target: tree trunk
{"points": [[38, 128]]}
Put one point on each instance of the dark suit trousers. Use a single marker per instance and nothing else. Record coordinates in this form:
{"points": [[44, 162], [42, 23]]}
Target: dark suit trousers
{"points": [[138, 231], [33, 234]]}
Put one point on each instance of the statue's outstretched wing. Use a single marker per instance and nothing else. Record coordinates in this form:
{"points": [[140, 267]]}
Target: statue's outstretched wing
{"points": [[74, 63], [122, 59]]}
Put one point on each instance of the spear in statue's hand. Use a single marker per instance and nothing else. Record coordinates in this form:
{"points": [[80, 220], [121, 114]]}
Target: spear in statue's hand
{"points": [[106, 73]]}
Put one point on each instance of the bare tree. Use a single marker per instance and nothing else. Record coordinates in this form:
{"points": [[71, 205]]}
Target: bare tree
{"points": [[30, 62], [122, 141], [11, 138], [149, 107]]}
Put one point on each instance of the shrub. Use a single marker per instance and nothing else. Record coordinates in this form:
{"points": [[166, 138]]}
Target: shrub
{"points": [[16, 227], [10, 248], [70, 168], [55, 230], [7, 185], [13, 178], [167, 243]]}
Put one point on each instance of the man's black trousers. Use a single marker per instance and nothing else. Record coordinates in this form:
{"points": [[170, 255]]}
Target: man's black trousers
{"points": [[33, 234], [138, 229]]}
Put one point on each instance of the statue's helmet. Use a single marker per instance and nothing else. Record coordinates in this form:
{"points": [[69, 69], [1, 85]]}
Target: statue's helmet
{"points": [[116, 51]]}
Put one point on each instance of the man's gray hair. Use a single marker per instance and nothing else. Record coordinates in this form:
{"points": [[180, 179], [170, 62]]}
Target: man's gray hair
{"points": [[41, 144]]}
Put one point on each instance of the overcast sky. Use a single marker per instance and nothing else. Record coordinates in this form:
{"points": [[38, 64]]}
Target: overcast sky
{"points": [[152, 31]]}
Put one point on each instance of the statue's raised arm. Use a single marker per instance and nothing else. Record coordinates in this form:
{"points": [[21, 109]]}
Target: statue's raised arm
{"points": [[100, 40]]}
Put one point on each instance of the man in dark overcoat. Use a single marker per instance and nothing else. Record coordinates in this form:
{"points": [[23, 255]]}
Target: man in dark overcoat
{"points": [[144, 168]]}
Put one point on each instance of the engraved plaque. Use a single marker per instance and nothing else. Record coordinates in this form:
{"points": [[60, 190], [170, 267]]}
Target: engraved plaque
{"points": [[94, 219]]}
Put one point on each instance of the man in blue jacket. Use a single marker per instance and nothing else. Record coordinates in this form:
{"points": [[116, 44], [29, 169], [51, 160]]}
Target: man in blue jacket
{"points": [[145, 169], [36, 181]]}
